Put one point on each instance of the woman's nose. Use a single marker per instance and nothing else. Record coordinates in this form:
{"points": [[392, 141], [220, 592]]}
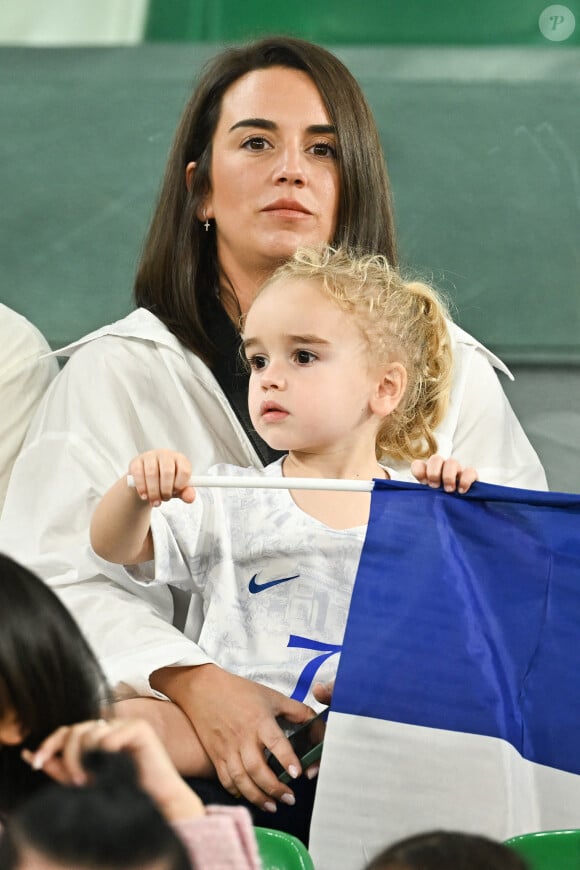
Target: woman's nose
{"points": [[290, 168]]}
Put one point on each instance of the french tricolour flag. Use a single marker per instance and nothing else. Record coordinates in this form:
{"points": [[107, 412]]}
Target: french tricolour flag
{"points": [[457, 700]]}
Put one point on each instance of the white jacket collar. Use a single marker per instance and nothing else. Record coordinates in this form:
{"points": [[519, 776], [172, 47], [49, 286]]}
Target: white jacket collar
{"points": [[140, 324], [460, 336]]}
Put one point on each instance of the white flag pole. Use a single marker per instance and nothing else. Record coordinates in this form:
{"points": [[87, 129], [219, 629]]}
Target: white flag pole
{"points": [[319, 483]]}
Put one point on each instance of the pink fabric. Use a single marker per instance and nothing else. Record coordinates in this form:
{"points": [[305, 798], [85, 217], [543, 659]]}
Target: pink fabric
{"points": [[223, 839]]}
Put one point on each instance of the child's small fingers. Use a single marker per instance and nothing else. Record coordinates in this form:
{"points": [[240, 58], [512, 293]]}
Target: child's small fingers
{"points": [[138, 475], [151, 475], [434, 470], [450, 475], [467, 478], [182, 472], [188, 494], [419, 470], [167, 479]]}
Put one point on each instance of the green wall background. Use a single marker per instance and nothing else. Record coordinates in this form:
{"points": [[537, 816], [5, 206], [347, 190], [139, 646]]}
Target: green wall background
{"points": [[482, 146], [371, 22], [479, 114]]}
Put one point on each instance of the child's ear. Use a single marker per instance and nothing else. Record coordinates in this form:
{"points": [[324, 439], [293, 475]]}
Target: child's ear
{"points": [[389, 390]]}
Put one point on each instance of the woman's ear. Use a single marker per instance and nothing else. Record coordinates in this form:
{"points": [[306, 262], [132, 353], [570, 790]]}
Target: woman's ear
{"points": [[189, 173], [390, 389], [204, 211]]}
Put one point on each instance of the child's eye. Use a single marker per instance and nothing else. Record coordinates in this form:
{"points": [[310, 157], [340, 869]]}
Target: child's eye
{"points": [[256, 143], [257, 362], [303, 357], [324, 149]]}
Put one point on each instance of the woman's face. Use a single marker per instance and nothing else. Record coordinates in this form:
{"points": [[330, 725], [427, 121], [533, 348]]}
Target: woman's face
{"points": [[274, 172]]}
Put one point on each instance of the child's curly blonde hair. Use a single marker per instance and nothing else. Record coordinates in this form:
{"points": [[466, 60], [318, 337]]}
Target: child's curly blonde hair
{"points": [[402, 321]]}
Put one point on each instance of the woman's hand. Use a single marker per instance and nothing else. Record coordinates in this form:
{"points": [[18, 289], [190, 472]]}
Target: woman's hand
{"points": [[448, 473], [160, 475], [235, 720], [323, 692], [60, 757]]}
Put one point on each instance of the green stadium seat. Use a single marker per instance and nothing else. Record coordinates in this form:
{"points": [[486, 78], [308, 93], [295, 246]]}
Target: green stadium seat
{"points": [[549, 850], [281, 851]]}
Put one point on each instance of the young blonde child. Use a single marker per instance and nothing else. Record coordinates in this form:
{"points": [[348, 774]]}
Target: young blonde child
{"points": [[348, 361]]}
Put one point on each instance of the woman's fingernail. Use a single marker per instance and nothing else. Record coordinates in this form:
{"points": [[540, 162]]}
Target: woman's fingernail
{"points": [[312, 771], [288, 799], [37, 762], [270, 807], [293, 771]]}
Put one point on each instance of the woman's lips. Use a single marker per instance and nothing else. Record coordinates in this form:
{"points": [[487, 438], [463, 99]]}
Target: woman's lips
{"points": [[287, 208]]}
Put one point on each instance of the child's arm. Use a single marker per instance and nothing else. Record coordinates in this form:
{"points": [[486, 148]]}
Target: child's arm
{"points": [[448, 473], [121, 523]]}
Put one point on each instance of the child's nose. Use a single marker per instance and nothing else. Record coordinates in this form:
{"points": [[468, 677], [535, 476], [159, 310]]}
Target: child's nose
{"points": [[274, 377]]}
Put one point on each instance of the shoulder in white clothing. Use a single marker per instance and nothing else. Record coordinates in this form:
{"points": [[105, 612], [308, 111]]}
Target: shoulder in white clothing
{"points": [[25, 373]]}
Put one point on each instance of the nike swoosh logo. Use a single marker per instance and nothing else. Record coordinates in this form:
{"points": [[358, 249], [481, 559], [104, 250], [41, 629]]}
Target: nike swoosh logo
{"points": [[259, 587]]}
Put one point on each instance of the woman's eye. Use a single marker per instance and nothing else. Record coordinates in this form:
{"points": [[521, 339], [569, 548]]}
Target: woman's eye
{"points": [[324, 149], [257, 362], [303, 357], [256, 143]]}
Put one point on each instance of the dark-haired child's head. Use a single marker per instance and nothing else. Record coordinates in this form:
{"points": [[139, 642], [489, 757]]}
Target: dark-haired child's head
{"points": [[108, 824], [447, 850], [48, 676]]}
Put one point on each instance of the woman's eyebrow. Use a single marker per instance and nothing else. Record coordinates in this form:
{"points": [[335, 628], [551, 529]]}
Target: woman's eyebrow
{"points": [[265, 124]]}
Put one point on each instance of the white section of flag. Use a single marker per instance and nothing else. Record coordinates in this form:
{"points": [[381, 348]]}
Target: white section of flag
{"points": [[380, 781]]}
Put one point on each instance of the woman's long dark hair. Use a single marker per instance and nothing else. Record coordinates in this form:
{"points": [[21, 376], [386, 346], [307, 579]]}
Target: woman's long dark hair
{"points": [[108, 823], [48, 674], [178, 269]]}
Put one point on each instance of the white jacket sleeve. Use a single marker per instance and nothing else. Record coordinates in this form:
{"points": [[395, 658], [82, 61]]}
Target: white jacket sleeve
{"points": [[114, 399], [24, 377], [480, 427], [488, 434]]}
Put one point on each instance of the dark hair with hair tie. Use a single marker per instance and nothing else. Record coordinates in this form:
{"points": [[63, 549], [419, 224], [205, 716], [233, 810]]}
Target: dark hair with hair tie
{"points": [[108, 824], [48, 674]]}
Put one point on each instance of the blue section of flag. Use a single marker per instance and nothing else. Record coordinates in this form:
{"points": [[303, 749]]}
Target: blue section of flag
{"points": [[466, 616]]}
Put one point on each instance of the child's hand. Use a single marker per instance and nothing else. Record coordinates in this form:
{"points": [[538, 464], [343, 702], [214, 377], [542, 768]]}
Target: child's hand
{"points": [[447, 472], [160, 475]]}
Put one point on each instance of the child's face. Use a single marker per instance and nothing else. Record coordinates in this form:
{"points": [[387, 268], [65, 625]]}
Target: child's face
{"points": [[311, 378]]}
